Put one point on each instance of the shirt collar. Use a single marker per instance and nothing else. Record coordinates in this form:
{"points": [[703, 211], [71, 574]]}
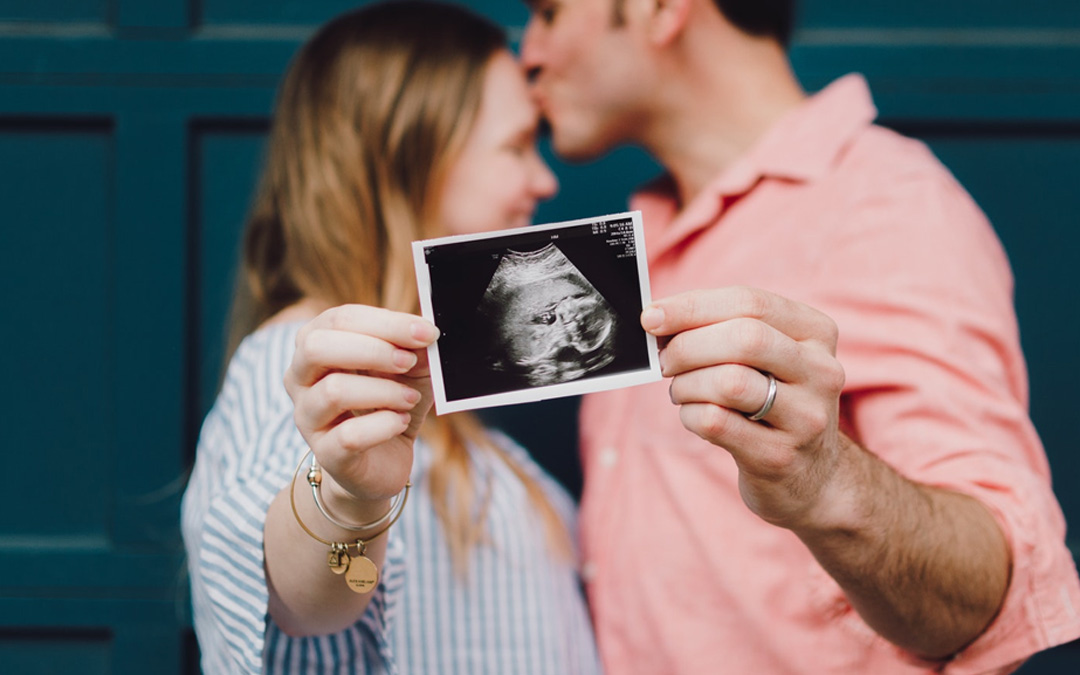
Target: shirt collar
{"points": [[801, 147], [808, 141]]}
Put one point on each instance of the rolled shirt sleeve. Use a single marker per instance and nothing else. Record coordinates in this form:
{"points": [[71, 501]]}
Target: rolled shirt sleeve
{"points": [[247, 452], [937, 388]]}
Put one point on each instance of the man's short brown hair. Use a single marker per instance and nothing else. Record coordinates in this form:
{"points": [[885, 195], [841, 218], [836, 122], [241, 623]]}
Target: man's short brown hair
{"points": [[764, 18]]}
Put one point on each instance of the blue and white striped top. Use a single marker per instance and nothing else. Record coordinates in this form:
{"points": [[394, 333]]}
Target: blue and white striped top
{"points": [[520, 609]]}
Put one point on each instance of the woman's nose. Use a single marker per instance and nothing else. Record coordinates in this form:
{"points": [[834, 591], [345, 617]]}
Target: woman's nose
{"points": [[544, 182]]}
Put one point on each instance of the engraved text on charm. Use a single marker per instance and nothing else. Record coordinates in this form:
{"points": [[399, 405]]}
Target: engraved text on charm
{"points": [[362, 575]]}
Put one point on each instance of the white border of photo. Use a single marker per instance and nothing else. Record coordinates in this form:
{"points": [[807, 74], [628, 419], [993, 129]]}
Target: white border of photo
{"points": [[540, 393]]}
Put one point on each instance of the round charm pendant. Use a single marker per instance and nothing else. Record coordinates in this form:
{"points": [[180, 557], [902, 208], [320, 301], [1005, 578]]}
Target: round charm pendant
{"points": [[362, 575]]}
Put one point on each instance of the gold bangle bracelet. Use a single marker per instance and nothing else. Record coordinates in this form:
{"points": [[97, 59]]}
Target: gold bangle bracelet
{"points": [[361, 574]]}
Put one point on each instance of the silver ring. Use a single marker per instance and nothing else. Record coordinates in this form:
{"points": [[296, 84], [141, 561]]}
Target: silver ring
{"points": [[770, 398]]}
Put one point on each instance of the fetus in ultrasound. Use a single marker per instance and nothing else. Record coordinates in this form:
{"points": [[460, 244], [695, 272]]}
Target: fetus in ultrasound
{"points": [[548, 323]]}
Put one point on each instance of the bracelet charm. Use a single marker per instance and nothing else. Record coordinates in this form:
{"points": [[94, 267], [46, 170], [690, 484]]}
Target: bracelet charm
{"points": [[338, 559], [362, 574]]}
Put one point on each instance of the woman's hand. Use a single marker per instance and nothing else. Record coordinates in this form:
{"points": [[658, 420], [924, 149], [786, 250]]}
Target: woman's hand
{"points": [[360, 385]]}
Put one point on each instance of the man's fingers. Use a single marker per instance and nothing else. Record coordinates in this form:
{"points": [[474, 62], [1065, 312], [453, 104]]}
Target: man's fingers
{"points": [[796, 410], [723, 426], [744, 341], [751, 445], [731, 386], [695, 309]]}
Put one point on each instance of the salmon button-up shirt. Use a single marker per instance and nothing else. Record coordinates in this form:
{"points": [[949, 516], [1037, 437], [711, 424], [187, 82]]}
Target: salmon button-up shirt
{"points": [[870, 228]]}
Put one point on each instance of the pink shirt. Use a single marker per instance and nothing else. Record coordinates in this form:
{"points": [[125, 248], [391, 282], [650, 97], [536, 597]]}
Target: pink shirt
{"points": [[870, 228]]}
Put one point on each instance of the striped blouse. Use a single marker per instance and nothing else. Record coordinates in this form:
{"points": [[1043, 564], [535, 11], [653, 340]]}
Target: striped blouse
{"points": [[519, 610]]}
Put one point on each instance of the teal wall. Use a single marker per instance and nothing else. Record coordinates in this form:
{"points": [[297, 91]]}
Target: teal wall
{"points": [[130, 132]]}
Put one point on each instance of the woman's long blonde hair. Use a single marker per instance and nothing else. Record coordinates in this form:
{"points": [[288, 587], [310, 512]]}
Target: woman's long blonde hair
{"points": [[371, 112]]}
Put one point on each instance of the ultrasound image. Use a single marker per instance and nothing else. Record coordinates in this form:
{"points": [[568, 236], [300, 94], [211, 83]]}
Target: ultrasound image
{"points": [[552, 309], [548, 323]]}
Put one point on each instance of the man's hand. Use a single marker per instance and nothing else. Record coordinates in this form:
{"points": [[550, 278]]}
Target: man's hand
{"points": [[723, 344], [926, 568]]}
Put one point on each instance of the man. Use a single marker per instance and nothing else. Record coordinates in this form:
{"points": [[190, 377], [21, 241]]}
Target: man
{"points": [[863, 491]]}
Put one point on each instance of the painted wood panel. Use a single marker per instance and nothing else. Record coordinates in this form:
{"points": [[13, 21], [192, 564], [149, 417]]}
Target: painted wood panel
{"points": [[56, 11], [130, 133], [947, 14], [30, 652], [224, 169], [300, 12], [57, 258]]}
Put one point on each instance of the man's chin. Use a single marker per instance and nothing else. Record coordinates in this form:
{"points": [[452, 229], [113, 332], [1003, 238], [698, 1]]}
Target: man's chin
{"points": [[577, 150]]}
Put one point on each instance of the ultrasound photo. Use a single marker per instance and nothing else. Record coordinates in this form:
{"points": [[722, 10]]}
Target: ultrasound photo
{"points": [[547, 323], [536, 313]]}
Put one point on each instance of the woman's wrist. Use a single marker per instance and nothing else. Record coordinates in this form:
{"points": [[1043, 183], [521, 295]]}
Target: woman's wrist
{"points": [[348, 508]]}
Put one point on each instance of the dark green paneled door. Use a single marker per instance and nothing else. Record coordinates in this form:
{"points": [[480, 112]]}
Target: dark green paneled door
{"points": [[130, 132]]}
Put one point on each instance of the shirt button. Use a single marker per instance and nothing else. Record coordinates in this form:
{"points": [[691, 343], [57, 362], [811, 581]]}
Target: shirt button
{"points": [[588, 571], [608, 457]]}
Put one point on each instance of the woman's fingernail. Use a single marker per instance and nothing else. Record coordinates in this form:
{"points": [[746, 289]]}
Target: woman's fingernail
{"points": [[425, 332], [412, 397], [404, 359], [652, 318], [406, 418]]}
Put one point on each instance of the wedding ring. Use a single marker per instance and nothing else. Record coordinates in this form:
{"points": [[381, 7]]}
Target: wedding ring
{"points": [[770, 398]]}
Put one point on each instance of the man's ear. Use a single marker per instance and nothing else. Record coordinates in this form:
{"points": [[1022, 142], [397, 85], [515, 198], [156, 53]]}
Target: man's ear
{"points": [[669, 19]]}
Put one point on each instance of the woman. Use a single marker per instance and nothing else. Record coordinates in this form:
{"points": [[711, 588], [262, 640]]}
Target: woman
{"points": [[396, 122]]}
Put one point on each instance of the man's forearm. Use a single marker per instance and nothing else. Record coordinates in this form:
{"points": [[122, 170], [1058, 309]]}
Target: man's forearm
{"points": [[926, 568]]}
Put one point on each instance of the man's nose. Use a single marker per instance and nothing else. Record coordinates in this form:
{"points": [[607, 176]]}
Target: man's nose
{"points": [[530, 51]]}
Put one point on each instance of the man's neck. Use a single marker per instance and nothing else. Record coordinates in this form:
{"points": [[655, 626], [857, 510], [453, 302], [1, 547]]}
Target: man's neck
{"points": [[716, 109]]}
